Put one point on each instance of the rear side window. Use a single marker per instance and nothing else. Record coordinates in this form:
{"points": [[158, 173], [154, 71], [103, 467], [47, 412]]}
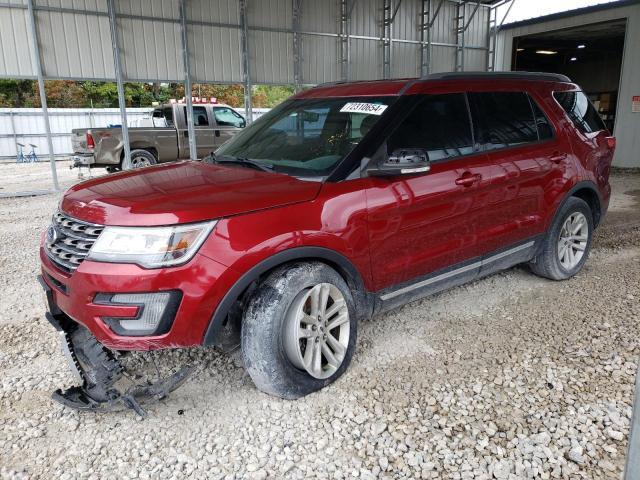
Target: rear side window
{"points": [[199, 116], [545, 131], [580, 111], [440, 125], [502, 119]]}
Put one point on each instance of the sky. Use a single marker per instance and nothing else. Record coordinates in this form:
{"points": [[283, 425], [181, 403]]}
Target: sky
{"points": [[523, 9]]}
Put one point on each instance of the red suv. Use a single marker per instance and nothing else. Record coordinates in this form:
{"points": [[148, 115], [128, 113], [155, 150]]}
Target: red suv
{"points": [[344, 202]]}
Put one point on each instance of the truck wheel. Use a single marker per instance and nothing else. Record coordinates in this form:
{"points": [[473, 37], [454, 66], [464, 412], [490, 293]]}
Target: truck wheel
{"points": [[299, 330], [566, 247], [142, 158]]}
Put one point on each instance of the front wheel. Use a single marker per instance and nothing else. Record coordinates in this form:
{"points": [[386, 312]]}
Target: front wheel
{"points": [[566, 247], [299, 330]]}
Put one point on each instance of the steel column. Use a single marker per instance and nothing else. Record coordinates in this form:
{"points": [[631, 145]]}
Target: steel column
{"points": [[345, 13], [425, 38], [117, 62], [460, 31], [246, 72], [386, 38], [14, 133], [297, 47], [632, 465], [188, 90], [43, 93]]}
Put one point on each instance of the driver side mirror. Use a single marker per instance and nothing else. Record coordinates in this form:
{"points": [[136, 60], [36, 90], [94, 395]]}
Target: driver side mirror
{"points": [[403, 161]]}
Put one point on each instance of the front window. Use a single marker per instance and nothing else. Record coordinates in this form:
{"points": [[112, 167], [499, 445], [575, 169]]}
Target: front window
{"points": [[307, 137], [226, 117]]}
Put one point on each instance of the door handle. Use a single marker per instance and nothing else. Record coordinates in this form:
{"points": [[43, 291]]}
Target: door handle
{"points": [[217, 133], [557, 157], [467, 179], [186, 133]]}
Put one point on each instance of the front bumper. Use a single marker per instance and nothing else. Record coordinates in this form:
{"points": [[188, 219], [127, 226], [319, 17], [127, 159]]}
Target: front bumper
{"points": [[202, 283]]}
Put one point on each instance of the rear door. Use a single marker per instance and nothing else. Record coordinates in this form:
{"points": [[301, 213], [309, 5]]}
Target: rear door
{"points": [[165, 134], [228, 122], [419, 224], [524, 158], [203, 127]]}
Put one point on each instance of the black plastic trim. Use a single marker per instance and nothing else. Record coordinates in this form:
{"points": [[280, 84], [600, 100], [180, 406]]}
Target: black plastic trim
{"points": [[508, 75], [363, 300], [458, 274], [164, 325], [588, 185]]}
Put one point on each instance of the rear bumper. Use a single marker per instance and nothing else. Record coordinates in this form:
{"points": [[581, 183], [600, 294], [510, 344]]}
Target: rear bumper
{"points": [[83, 160], [202, 283]]}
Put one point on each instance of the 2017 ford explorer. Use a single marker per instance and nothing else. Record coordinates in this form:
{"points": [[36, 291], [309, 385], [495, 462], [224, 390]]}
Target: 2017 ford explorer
{"points": [[344, 202]]}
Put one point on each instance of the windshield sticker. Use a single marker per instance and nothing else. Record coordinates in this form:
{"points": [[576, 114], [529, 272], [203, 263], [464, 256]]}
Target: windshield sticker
{"points": [[359, 107]]}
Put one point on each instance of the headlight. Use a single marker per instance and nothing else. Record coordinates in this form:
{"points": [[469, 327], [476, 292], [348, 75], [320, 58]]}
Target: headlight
{"points": [[150, 247]]}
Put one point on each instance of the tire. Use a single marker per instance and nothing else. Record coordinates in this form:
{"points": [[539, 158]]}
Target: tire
{"points": [[549, 263], [141, 158], [273, 352]]}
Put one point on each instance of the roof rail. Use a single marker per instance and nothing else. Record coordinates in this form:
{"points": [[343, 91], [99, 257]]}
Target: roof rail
{"points": [[557, 77]]}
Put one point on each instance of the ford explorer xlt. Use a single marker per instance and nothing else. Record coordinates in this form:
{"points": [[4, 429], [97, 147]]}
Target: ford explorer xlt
{"points": [[344, 202]]}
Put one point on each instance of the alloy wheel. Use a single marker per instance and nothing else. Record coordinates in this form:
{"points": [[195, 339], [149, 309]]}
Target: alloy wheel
{"points": [[573, 239], [317, 328]]}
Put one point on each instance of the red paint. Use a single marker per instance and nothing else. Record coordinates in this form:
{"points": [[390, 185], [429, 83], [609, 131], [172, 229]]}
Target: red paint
{"points": [[392, 229]]}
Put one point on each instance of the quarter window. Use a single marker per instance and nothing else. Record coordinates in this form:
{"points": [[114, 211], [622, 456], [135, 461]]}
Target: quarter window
{"points": [[439, 125], [583, 115], [502, 119]]}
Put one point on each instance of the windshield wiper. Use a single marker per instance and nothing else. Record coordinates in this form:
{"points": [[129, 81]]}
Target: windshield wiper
{"points": [[240, 161]]}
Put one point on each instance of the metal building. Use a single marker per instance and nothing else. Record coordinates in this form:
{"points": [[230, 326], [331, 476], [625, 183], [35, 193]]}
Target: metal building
{"points": [[597, 47], [296, 42]]}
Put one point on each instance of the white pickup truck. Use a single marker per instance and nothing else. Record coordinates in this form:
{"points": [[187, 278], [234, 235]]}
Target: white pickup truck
{"points": [[166, 140]]}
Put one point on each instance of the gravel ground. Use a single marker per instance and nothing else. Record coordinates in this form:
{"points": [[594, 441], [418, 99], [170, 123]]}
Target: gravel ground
{"points": [[509, 377]]}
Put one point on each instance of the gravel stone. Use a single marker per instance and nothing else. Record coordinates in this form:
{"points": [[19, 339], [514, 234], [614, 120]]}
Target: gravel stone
{"points": [[510, 377]]}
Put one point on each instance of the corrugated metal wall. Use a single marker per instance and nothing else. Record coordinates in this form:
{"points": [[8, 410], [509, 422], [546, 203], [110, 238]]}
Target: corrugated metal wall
{"points": [[627, 127], [75, 39]]}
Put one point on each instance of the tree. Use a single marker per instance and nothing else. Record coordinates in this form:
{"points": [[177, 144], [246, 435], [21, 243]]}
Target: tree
{"points": [[71, 94]]}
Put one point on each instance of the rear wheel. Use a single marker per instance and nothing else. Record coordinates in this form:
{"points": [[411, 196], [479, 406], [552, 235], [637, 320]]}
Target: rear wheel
{"points": [[142, 158], [567, 245], [299, 330]]}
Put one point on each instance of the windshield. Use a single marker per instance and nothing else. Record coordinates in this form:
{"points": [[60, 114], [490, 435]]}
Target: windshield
{"points": [[308, 137]]}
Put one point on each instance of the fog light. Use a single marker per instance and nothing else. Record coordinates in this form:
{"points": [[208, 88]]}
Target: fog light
{"points": [[155, 315]]}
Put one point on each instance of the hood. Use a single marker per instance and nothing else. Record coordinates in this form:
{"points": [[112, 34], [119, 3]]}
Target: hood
{"points": [[182, 192]]}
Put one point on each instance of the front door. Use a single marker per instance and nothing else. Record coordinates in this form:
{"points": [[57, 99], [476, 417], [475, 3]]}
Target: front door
{"points": [[228, 122], [203, 127], [422, 224]]}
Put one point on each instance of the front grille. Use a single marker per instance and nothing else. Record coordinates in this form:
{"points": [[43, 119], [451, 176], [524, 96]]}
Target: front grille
{"points": [[69, 240]]}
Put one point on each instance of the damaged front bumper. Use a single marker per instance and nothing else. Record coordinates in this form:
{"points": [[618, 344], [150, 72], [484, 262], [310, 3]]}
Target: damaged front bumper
{"points": [[99, 371]]}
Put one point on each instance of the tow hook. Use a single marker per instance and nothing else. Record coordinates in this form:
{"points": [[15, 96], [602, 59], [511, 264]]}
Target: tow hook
{"points": [[102, 375]]}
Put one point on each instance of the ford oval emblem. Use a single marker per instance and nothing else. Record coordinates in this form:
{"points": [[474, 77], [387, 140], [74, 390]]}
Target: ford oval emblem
{"points": [[52, 235]]}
